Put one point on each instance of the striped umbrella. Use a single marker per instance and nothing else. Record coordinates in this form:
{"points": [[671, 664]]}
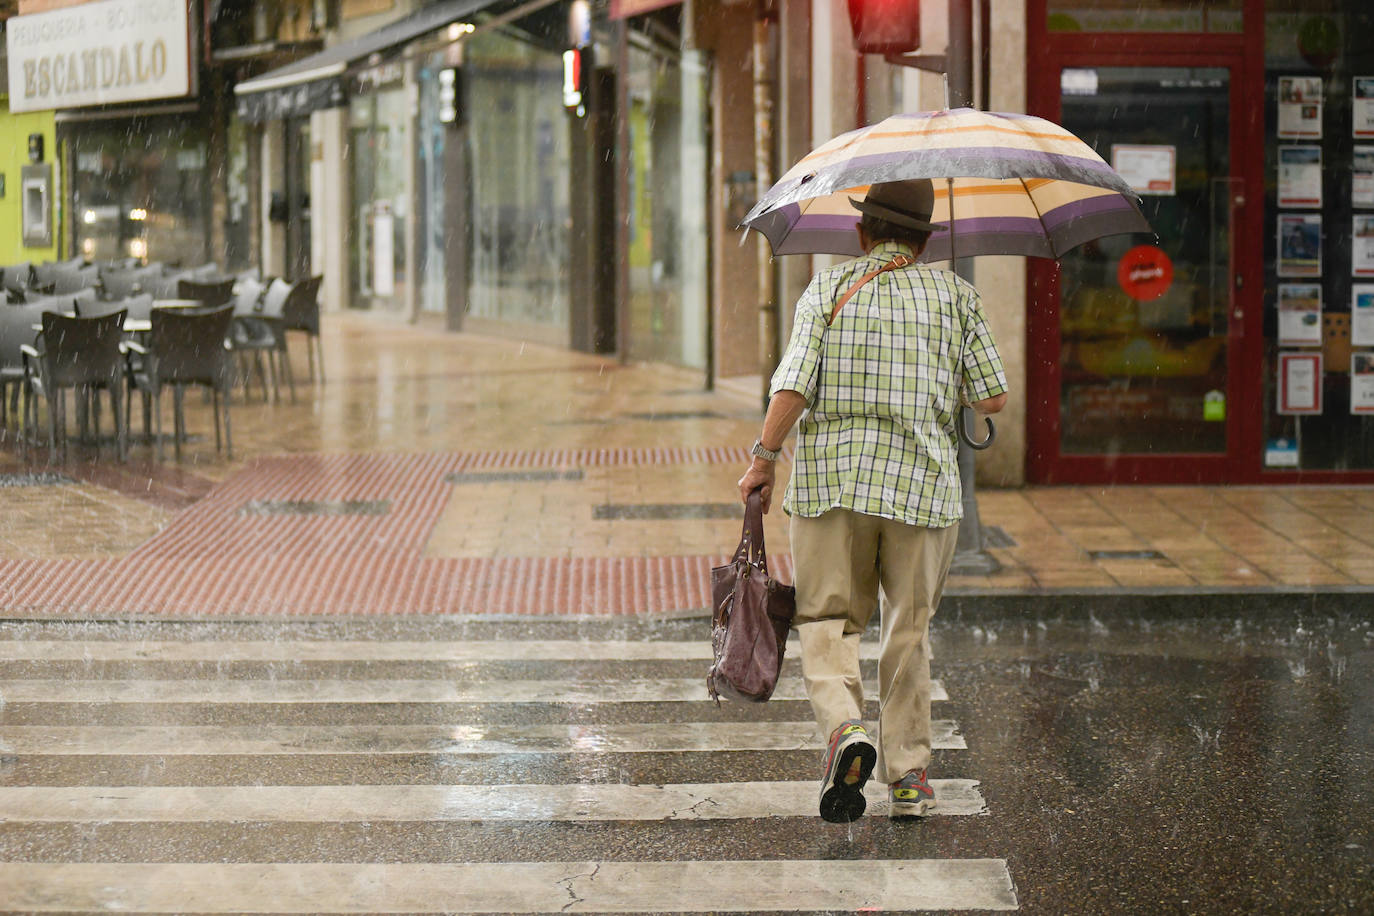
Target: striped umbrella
{"points": [[1019, 185]]}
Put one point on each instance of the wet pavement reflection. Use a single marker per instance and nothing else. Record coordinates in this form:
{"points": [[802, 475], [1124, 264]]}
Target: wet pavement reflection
{"points": [[1115, 763]]}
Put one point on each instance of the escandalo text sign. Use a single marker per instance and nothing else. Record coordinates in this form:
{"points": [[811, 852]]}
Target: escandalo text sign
{"points": [[99, 53]]}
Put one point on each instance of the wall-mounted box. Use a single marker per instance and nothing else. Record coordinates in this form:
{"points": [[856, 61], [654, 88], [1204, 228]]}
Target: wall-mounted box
{"points": [[36, 205]]}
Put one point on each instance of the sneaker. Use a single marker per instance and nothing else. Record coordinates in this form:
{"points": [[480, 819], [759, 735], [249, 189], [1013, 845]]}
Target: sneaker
{"points": [[911, 796], [848, 763]]}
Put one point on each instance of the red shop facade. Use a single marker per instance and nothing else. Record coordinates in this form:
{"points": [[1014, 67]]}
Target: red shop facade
{"points": [[1237, 345]]}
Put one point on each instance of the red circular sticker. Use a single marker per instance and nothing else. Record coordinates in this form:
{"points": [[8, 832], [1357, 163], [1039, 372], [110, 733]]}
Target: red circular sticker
{"points": [[1145, 272]]}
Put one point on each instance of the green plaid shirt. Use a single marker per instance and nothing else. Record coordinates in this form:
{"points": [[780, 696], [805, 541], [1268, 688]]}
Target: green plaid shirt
{"points": [[882, 390]]}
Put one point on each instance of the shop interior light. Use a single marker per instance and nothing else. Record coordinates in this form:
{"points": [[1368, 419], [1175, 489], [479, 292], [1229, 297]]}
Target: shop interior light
{"points": [[88, 217], [138, 248], [457, 30], [138, 213]]}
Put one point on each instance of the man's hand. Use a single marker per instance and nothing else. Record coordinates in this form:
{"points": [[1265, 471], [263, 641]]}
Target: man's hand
{"points": [[783, 410], [759, 475]]}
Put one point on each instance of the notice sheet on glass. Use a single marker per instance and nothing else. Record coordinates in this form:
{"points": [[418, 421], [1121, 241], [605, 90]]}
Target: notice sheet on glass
{"points": [[1362, 176], [1300, 107], [1300, 245], [1362, 245], [1362, 314], [1300, 314], [1362, 122], [1147, 169], [1300, 176], [1300, 388], [1362, 383]]}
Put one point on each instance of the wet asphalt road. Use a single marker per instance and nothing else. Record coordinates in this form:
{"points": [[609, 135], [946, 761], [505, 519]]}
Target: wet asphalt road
{"points": [[1129, 764]]}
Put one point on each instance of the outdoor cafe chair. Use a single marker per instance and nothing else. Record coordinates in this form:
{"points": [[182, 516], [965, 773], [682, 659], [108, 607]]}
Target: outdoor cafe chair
{"points": [[83, 354], [301, 312], [16, 330], [184, 347], [75, 280], [46, 274], [260, 329], [210, 293], [16, 278], [162, 285], [119, 284]]}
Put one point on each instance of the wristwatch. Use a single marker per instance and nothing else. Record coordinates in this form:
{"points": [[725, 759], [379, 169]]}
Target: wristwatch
{"points": [[764, 453]]}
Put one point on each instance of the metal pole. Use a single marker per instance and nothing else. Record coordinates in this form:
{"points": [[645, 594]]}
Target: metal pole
{"points": [[970, 555], [763, 179]]}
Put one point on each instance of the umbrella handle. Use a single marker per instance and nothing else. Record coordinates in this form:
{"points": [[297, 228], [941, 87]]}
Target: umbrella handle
{"points": [[966, 430]]}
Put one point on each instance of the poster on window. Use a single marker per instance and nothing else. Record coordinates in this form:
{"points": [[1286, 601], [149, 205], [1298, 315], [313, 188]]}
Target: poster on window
{"points": [[1300, 107], [1300, 245], [1362, 245], [1362, 314], [1363, 121], [1362, 383], [1300, 389], [1362, 176], [1300, 314], [1300, 176], [1147, 169]]}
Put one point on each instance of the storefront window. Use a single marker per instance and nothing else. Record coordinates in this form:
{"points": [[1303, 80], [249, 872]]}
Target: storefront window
{"points": [[238, 220], [1145, 352], [378, 148], [668, 268], [1145, 16], [140, 190], [1319, 237], [430, 204], [520, 175]]}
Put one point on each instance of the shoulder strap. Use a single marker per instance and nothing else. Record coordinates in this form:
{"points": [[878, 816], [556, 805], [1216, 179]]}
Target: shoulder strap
{"points": [[898, 262]]}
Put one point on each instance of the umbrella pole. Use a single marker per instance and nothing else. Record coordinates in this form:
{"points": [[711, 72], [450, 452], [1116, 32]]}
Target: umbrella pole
{"points": [[970, 554]]}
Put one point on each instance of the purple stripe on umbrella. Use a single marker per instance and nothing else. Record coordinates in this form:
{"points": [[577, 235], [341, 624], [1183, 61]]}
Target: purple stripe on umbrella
{"points": [[967, 163], [1078, 209], [834, 222]]}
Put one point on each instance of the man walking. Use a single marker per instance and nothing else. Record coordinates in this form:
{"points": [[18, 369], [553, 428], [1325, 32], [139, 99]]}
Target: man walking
{"points": [[883, 351]]}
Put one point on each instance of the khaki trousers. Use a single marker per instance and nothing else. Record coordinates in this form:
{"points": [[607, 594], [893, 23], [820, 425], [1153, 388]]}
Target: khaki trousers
{"points": [[842, 558]]}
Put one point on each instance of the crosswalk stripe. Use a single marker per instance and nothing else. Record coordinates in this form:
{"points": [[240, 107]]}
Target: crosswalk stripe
{"points": [[586, 802], [654, 737], [526, 887], [485, 650], [220, 691]]}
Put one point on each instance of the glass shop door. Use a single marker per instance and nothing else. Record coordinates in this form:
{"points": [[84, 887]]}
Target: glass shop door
{"points": [[1135, 363]]}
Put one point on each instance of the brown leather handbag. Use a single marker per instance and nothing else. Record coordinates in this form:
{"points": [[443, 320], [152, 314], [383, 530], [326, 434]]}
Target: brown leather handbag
{"points": [[752, 614]]}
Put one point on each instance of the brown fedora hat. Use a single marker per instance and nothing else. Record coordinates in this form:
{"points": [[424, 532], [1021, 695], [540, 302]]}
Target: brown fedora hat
{"points": [[905, 203]]}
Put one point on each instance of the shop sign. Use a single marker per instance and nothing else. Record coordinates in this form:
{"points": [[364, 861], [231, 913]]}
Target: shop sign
{"points": [[377, 77], [1145, 272], [99, 53]]}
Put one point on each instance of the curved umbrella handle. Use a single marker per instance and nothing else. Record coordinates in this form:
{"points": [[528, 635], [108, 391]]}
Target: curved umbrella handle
{"points": [[966, 430]]}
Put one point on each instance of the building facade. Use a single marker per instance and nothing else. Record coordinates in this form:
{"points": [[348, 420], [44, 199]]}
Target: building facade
{"points": [[446, 160]]}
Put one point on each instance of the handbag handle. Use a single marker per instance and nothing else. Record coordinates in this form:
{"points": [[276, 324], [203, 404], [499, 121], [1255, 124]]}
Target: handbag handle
{"points": [[751, 549]]}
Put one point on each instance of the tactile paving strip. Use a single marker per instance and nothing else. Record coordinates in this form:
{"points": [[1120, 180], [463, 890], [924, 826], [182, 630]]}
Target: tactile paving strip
{"points": [[214, 559]]}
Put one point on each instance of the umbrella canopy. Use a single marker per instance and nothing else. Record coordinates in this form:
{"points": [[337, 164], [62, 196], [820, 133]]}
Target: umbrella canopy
{"points": [[1017, 185]]}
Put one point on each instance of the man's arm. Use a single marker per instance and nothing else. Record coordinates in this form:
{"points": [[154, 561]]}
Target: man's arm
{"points": [[992, 404], [784, 409]]}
